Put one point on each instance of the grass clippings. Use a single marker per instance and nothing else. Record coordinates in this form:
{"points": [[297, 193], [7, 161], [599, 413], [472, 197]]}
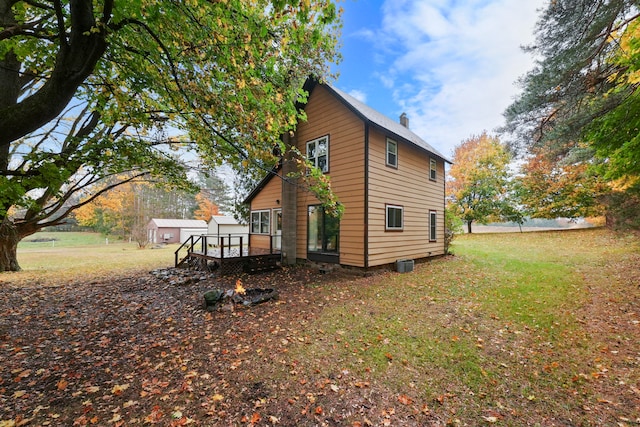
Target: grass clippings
{"points": [[537, 329]]}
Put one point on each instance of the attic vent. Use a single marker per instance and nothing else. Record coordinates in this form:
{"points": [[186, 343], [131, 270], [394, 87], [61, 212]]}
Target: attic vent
{"points": [[404, 120]]}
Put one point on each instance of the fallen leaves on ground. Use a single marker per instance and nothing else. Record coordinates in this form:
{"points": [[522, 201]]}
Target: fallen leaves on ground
{"points": [[142, 350]]}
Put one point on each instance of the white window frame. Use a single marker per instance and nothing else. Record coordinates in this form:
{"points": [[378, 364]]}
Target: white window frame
{"points": [[386, 218], [260, 214], [392, 143], [433, 226], [433, 169], [314, 160]]}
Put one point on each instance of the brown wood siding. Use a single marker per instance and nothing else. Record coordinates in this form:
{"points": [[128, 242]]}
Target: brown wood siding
{"points": [[328, 116], [266, 200], [259, 241], [408, 186]]}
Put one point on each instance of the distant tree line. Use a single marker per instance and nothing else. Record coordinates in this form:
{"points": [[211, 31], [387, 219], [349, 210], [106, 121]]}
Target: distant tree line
{"points": [[573, 133], [576, 124]]}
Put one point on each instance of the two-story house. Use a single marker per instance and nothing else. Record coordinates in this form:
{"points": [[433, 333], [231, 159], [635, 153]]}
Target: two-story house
{"points": [[390, 181]]}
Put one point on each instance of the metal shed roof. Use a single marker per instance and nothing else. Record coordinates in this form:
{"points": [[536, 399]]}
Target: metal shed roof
{"points": [[180, 223], [224, 220]]}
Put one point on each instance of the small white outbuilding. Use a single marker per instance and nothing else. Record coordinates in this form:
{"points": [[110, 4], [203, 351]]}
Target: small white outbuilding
{"points": [[221, 225]]}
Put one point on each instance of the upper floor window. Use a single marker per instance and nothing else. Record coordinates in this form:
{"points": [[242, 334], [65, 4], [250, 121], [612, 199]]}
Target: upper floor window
{"points": [[260, 222], [433, 169], [318, 153], [392, 153], [394, 217]]}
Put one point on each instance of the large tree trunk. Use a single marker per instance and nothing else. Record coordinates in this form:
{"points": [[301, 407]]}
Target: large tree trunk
{"points": [[77, 56], [469, 226], [9, 238]]}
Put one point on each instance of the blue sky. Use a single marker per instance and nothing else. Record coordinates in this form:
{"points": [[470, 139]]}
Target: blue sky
{"points": [[451, 65]]}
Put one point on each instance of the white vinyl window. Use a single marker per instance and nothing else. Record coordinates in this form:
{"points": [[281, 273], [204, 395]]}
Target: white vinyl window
{"points": [[260, 222], [318, 153], [433, 171], [394, 217], [433, 224], [392, 153]]}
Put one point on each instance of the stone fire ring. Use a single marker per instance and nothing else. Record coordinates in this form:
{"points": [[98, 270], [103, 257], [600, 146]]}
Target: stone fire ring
{"points": [[252, 296]]}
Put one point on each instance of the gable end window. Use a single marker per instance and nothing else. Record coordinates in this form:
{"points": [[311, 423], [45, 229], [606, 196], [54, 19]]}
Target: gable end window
{"points": [[392, 153], [433, 170], [394, 217], [433, 223], [318, 153], [260, 222]]}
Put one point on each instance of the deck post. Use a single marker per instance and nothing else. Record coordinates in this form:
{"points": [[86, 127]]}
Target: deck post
{"points": [[241, 247], [221, 247]]}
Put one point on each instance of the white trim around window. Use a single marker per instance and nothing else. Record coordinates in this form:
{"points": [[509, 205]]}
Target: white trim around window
{"points": [[433, 170], [318, 153], [260, 222], [433, 226], [394, 218], [392, 153]]}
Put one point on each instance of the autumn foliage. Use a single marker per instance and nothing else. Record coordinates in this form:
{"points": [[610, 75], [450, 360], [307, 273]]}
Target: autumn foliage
{"points": [[552, 190], [477, 181], [206, 208]]}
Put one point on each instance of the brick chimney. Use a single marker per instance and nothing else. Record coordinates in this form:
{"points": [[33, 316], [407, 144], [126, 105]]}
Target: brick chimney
{"points": [[404, 120]]}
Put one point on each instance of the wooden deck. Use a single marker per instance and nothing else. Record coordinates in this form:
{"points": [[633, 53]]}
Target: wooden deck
{"points": [[228, 254]]}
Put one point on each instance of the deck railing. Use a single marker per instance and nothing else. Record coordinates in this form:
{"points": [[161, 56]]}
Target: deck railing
{"points": [[186, 248], [221, 246]]}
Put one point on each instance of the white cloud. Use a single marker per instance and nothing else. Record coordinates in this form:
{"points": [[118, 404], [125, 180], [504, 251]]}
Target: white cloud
{"points": [[359, 95], [458, 62]]}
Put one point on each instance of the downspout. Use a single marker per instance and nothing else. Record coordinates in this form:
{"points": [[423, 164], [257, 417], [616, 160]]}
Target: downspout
{"points": [[366, 195]]}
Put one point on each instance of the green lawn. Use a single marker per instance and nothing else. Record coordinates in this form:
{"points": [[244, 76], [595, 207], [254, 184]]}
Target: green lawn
{"points": [[515, 324], [62, 257], [538, 329], [53, 239]]}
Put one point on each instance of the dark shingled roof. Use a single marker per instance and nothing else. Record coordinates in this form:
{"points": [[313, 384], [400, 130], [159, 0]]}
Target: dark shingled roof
{"points": [[367, 114], [378, 119]]}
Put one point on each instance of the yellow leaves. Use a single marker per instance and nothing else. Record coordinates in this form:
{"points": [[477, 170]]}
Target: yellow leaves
{"points": [[118, 389], [17, 422], [274, 420], [129, 403], [206, 208]]}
